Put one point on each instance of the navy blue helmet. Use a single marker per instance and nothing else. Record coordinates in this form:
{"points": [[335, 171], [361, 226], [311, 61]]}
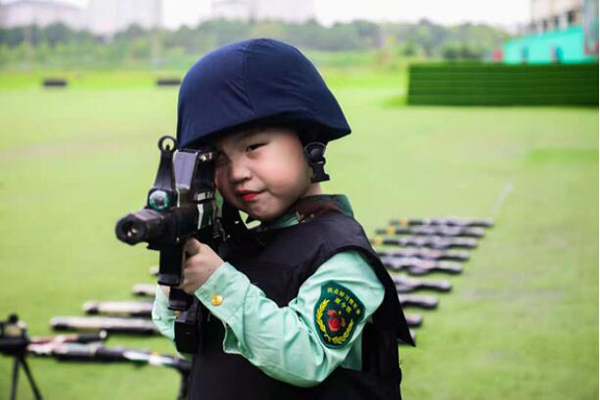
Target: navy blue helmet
{"points": [[256, 81]]}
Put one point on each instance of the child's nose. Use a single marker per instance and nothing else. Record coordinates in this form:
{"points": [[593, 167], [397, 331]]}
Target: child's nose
{"points": [[239, 172]]}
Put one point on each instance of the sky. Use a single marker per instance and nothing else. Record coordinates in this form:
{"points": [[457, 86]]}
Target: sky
{"points": [[507, 13]]}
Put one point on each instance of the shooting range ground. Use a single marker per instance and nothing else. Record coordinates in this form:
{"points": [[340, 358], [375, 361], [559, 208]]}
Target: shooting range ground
{"points": [[521, 323]]}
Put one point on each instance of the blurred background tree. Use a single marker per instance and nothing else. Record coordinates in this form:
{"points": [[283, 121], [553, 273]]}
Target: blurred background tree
{"points": [[58, 46]]}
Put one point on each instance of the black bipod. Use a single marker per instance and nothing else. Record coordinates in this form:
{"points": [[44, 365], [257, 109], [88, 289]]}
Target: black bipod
{"points": [[20, 360], [13, 342]]}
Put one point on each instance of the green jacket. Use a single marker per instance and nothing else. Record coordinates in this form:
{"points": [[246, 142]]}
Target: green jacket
{"points": [[270, 337]]}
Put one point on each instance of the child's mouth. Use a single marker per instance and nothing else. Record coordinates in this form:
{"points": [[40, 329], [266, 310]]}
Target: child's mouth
{"points": [[249, 196]]}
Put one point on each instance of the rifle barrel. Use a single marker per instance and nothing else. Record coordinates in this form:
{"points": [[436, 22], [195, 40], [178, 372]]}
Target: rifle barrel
{"points": [[100, 353], [133, 326], [119, 308]]}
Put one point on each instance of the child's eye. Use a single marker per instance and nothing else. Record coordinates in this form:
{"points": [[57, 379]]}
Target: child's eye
{"points": [[255, 146]]}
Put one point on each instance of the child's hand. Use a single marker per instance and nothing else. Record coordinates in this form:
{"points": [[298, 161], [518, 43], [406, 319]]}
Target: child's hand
{"points": [[201, 262]]}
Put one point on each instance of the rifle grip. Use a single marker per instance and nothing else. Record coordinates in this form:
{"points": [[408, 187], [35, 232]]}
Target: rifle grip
{"points": [[170, 265], [179, 300]]}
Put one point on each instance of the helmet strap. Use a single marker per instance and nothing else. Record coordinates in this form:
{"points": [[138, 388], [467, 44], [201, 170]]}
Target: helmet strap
{"points": [[315, 153]]}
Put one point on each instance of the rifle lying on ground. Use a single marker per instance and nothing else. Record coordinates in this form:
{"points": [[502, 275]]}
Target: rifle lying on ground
{"points": [[81, 338], [111, 325], [119, 308], [408, 285], [467, 222], [99, 353], [434, 230], [418, 301], [144, 289], [414, 320], [426, 254], [433, 242], [417, 266]]}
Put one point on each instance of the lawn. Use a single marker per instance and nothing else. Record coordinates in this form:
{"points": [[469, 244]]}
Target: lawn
{"points": [[521, 322]]}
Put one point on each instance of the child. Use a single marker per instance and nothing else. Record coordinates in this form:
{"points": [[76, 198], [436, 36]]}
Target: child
{"points": [[299, 307]]}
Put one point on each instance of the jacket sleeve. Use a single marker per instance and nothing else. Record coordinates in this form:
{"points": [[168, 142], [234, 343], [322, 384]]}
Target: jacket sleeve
{"points": [[294, 343], [163, 318]]}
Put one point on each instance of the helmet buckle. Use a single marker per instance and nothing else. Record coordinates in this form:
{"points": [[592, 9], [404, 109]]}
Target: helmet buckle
{"points": [[315, 153]]}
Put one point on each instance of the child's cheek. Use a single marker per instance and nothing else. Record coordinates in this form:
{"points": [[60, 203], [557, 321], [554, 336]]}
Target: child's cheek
{"points": [[220, 178], [221, 184]]}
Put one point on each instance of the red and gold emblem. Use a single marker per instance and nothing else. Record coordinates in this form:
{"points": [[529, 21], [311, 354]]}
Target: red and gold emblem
{"points": [[337, 313]]}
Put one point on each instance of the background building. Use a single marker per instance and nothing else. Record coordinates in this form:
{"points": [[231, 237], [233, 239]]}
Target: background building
{"points": [[549, 15], [107, 17], [40, 13], [277, 10], [101, 17], [561, 31]]}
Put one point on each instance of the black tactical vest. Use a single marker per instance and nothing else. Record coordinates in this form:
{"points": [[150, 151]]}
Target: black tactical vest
{"points": [[278, 262]]}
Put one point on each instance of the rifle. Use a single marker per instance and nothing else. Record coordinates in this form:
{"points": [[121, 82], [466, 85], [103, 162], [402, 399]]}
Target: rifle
{"points": [[181, 204], [482, 223], [119, 308], [144, 289], [425, 254], [417, 266], [414, 320], [408, 285], [418, 301], [129, 326], [434, 242], [99, 353], [100, 336], [434, 230]]}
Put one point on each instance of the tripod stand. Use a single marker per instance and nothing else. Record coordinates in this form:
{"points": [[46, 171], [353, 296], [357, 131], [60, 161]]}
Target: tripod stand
{"points": [[13, 342], [20, 361]]}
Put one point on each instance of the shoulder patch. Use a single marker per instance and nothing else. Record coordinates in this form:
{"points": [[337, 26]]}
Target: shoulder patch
{"points": [[337, 313]]}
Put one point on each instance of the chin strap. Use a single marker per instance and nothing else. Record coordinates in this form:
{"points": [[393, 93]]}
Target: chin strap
{"points": [[232, 221], [315, 153]]}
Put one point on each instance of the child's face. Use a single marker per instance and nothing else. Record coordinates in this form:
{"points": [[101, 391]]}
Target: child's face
{"points": [[262, 171]]}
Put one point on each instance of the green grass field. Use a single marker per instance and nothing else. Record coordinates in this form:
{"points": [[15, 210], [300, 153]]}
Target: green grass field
{"points": [[521, 322]]}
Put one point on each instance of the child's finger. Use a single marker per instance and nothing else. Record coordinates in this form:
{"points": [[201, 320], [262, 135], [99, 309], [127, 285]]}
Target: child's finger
{"points": [[192, 247], [166, 290]]}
